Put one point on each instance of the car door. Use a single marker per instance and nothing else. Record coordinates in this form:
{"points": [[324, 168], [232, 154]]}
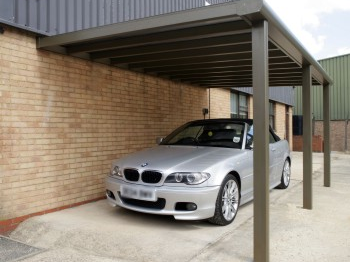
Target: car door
{"points": [[276, 157]]}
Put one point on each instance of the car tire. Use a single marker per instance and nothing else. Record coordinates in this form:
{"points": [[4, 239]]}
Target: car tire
{"points": [[227, 202], [285, 177]]}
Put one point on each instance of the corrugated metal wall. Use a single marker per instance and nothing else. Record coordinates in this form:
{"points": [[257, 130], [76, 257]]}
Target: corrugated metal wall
{"points": [[339, 69], [283, 94], [52, 17]]}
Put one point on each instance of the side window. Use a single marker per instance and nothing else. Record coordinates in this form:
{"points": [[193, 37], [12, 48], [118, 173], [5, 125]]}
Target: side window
{"points": [[272, 138], [250, 136]]}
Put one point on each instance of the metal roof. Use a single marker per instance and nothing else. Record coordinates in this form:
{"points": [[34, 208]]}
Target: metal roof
{"points": [[52, 17], [339, 69], [209, 46]]}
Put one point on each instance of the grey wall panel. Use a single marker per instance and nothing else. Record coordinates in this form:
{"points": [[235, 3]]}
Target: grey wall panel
{"points": [[61, 16], [284, 95], [7, 10]]}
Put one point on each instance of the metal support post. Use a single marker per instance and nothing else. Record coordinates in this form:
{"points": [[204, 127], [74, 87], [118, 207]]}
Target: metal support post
{"points": [[261, 142], [307, 138], [326, 134]]}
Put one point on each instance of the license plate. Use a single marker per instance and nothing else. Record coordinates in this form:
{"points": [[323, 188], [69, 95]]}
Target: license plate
{"points": [[140, 193]]}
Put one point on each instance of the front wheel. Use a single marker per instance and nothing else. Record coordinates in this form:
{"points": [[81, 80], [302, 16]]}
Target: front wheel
{"points": [[285, 178], [227, 202]]}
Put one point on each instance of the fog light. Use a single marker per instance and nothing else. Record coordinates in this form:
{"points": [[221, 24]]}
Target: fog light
{"points": [[110, 194], [191, 206]]}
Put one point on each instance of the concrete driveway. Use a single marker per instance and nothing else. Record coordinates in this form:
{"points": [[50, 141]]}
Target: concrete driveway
{"points": [[98, 232]]}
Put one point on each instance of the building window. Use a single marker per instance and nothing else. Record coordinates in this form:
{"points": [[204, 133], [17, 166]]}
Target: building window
{"points": [[272, 114], [239, 105]]}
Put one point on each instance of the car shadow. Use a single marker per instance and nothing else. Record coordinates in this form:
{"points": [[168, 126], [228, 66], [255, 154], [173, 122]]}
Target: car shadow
{"points": [[166, 221]]}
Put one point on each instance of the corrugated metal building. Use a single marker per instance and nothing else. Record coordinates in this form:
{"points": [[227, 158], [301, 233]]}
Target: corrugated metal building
{"points": [[339, 69], [51, 17]]}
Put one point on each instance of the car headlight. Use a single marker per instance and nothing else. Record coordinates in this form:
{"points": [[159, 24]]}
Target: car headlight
{"points": [[189, 178], [115, 171]]}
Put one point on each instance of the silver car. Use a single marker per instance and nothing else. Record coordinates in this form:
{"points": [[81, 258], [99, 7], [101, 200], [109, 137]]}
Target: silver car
{"points": [[202, 170]]}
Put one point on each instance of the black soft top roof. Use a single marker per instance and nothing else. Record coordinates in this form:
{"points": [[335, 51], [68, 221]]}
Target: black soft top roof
{"points": [[222, 120]]}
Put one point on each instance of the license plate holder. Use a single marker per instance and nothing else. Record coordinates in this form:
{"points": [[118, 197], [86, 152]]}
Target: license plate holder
{"points": [[140, 193]]}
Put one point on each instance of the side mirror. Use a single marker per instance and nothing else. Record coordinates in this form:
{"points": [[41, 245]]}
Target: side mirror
{"points": [[159, 140]]}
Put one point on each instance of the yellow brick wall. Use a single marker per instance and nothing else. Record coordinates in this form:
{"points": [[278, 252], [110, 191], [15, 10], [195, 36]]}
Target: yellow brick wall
{"points": [[281, 125], [280, 120], [250, 107], [220, 103], [63, 120]]}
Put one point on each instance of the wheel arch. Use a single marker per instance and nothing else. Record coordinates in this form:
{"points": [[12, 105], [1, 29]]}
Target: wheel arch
{"points": [[237, 176], [289, 160]]}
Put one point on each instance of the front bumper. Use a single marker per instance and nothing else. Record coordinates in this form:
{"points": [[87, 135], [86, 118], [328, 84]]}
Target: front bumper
{"points": [[204, 198]]}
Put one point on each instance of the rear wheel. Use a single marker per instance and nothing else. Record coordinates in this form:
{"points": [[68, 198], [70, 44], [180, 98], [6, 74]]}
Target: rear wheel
{"points": [[227, 202], [285, 178]]}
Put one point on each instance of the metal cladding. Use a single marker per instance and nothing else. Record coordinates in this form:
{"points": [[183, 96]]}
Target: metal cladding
{"points": [[51, 17], [338, 68], [284, 95]]}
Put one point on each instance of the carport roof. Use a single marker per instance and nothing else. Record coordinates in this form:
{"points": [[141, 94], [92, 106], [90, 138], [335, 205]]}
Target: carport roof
{"points": [[209, 46]]}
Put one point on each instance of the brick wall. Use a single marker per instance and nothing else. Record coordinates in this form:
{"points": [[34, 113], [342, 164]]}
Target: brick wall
{"points": [[280, 120], [317, 143], [290, 126], [337, 134], [281, 124], [250, 107], [220, 103], [63, 120]]}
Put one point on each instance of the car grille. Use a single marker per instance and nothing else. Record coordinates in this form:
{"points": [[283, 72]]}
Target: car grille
{"points": [[131, 174], [158, 205], [151, 177]]}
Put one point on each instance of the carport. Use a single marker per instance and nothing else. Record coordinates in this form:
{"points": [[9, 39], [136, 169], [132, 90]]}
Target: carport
{"points": [[238, 44]]}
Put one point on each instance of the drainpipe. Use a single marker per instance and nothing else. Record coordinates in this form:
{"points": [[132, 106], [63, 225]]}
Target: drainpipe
{"points": [[346, 133]]}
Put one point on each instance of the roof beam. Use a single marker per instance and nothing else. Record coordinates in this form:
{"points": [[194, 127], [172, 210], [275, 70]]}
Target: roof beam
{"points": [[209, 79], [278, 57], [190, 61], [201, 52], [245, 65], [188, 68], [232, 74], [199, 32], [174, 46]]}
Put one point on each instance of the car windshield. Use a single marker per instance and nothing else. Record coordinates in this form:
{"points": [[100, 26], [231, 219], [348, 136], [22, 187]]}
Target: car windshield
{"points": [[221, 134]]}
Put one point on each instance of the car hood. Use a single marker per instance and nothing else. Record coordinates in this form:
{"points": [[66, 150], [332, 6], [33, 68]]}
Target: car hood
{"points": [[178, 158]]}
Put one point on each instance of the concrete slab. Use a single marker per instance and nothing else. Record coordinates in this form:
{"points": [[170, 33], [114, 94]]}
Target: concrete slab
{"points": [[11, 250], [98, 232]]}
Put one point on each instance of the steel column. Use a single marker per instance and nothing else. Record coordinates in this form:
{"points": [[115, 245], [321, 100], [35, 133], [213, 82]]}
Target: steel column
{"points": [[307, 138], [326, 134], [261, 142]]}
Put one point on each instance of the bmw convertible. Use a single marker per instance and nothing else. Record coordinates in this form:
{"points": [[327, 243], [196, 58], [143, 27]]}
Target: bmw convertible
{"points": [[202, 170]]}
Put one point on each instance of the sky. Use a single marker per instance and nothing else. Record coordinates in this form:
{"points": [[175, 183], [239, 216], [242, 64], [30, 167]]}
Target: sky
{"points": [[321, 26]]}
